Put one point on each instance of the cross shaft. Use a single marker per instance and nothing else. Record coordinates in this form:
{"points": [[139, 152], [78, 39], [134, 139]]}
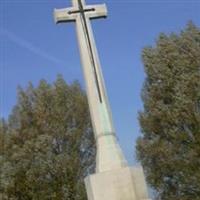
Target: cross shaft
{"points": [[107, 145], [87, 36]]}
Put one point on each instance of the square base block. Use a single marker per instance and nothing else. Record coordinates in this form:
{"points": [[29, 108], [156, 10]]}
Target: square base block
{"points": [[123, 184]]}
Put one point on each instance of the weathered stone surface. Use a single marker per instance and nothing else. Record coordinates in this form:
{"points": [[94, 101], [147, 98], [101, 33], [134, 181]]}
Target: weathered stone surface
{"points": [[122, 184]]}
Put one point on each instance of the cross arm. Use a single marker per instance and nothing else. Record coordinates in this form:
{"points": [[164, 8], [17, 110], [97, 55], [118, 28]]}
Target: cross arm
{"points": [[70, 14], [63, 15], [99, 11]]}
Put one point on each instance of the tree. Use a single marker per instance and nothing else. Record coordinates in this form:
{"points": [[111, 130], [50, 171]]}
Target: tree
{"points": [[50, 145], [169, 148]]}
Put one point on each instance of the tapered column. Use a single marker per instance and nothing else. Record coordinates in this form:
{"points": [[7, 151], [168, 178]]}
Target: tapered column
{"points": [[109, 154]]}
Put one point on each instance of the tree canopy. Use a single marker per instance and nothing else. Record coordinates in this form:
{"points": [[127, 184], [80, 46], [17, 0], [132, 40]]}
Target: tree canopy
{"points": [[169, 147], [47, 145]]}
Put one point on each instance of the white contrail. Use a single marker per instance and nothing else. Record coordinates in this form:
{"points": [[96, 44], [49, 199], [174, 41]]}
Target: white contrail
{"points": [[29, 46]]}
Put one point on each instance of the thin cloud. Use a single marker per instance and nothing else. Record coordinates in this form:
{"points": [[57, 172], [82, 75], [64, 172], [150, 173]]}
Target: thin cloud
{"points": [[29, 46]]}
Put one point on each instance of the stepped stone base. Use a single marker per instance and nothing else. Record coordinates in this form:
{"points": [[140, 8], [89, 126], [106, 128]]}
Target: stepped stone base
{"points": [[127, 183]]}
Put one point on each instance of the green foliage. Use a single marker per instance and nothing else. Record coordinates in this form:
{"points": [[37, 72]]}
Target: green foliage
{"points": [[169, 148], [48, 144]]}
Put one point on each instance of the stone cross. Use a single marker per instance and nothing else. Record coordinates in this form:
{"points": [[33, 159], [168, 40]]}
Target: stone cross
{"points": [[109, 154], [113, 179]]}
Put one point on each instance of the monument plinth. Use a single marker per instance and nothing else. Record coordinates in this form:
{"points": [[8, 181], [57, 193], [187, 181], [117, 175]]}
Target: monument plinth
{"points": [[127, 183], [113, 179]]}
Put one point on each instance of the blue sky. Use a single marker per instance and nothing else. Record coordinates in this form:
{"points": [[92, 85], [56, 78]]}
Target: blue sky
{"points": [[32, 47]]}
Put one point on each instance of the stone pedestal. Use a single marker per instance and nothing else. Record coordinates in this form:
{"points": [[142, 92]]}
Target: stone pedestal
{"points": [[127, 183]]}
